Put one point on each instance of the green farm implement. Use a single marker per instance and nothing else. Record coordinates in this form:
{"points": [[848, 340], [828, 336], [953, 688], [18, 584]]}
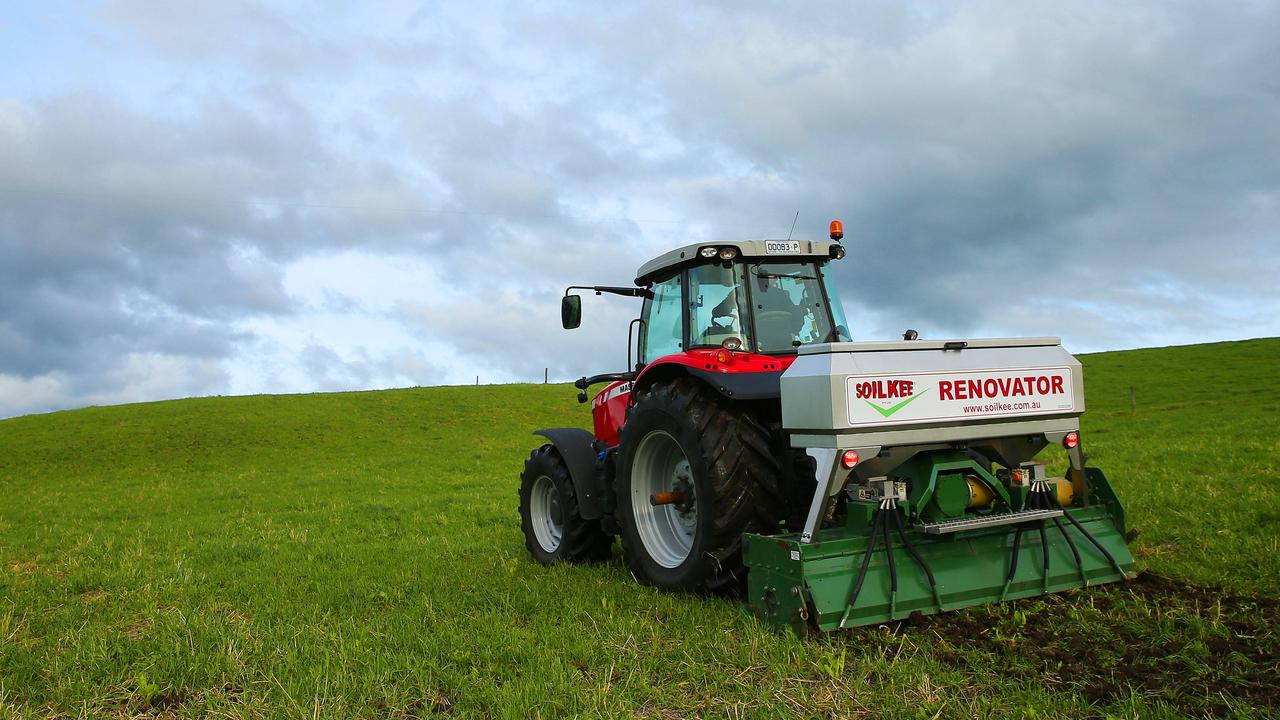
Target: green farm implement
{"points": [[754, 447]]}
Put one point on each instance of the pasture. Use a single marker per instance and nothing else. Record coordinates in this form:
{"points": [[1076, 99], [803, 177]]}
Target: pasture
{"points": [[359, 555]]}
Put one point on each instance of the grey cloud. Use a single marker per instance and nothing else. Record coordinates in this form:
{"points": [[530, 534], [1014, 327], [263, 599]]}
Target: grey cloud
{"points": [[123, 232], [519, 333], [230, 30], [1093, 145], [1111, 173], [330, 371]]}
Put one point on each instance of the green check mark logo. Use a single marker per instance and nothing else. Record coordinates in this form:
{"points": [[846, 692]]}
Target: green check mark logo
{"points": [[891, 410]]}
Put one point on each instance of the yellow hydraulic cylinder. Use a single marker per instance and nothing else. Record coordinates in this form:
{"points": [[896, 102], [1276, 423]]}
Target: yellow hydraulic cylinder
{"points": [[1065, 490], [980, 495]]}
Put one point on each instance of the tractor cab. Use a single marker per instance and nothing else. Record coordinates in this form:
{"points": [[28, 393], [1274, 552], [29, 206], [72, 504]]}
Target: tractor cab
{"points": [[764, 297], [731, 315], [753, 297]]}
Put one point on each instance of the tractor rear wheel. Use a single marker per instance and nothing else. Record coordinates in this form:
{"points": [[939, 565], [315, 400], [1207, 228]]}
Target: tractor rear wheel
{"points": [[694, 473], [553, 528]]}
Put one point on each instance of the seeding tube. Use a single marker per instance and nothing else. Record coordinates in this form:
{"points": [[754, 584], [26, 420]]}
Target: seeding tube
{"points": [[1013, 562], [911, 550], [1053, 503], [893, 570], [1084, 580], [866, 561], [1044, 554]]}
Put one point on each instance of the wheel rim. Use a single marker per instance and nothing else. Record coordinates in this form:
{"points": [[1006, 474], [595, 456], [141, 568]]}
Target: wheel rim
{"points": [[667, 531], [544, 514]]}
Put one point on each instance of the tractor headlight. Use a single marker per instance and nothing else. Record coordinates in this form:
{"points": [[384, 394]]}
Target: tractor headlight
{"points": [[837, 252], [728, 253], [707, 252]]}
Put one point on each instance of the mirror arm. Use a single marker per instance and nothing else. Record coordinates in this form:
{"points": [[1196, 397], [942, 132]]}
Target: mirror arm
{"points": [[624, 291], [583, 383]]}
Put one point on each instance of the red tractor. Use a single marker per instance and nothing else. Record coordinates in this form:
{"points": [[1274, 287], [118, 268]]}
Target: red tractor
{"points": [[689, 451], [859, 482]]}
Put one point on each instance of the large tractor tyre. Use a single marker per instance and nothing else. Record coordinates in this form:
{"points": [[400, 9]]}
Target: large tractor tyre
{"points": [[553, 528], [712, 460]]}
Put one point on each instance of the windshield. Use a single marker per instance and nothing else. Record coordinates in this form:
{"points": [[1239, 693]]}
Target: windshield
{"points": [[790, 308], [717, 304]]}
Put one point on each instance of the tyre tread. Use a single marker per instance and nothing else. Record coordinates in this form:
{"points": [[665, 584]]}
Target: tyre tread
{"points": [[581, 540], [743, 474]]}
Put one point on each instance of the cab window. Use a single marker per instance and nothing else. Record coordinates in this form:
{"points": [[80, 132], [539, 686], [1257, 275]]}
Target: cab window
{"points": [[717, 306], [790, 309], [662, 322]]}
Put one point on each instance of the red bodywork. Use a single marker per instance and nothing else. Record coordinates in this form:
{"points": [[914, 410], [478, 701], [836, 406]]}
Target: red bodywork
{"points": [[609, 408]]}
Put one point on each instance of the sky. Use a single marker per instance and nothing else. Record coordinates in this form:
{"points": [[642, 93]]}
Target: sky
{"points": [[242, 197]]}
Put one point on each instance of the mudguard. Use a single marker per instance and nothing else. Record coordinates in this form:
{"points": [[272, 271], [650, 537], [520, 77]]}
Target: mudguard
{"points": [[577, 448], [742, 385]]}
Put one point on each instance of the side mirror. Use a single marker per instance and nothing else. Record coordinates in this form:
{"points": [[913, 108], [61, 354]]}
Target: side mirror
{"points": [[571, 311]]}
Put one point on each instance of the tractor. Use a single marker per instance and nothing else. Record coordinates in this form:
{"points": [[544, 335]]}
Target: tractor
{"points": [[754, 448]]}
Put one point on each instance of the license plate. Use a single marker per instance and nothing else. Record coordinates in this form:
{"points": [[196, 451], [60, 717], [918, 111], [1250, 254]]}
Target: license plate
{"points": [[781, 247]]}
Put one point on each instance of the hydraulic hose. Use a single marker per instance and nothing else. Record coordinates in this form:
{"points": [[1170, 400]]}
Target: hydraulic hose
{"points": [[911, 550], [1045, 501], [1074, 552], [1013, 561], [1044, 563], [893, 570], [1111, 559], [866, 561], [1088, 536]]}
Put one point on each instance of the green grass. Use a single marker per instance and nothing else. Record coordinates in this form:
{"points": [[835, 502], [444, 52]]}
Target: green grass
{"points": [[358, 555]]}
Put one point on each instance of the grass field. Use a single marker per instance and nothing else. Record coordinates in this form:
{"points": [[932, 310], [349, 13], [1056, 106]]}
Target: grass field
{"points": [[358, 555]]}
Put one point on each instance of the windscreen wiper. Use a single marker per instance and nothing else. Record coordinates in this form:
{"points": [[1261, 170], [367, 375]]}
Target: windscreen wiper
{"points": [[783, 275], [755, 270]]}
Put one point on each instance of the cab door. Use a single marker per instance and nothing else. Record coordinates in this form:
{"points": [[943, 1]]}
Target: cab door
{"points": [[662, 320]]}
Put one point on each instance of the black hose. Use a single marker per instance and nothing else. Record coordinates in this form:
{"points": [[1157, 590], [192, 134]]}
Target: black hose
{"points": [[1037, 501], [1044, 550], [1089, 536], [866, 558], [1040, 498], [1013, 560], [1070, 543], [911, 550], [1093, 540], [888, 553]]}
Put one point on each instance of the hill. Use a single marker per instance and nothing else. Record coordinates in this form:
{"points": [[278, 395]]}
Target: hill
{"points": [[358, 555]]}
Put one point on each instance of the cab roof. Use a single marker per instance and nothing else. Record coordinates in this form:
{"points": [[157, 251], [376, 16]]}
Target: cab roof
{"points": [[782, 250]]}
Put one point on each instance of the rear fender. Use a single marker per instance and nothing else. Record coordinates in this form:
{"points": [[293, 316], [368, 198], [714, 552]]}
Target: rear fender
{"points": [[765, 385], [750, 377], [577, 447]]}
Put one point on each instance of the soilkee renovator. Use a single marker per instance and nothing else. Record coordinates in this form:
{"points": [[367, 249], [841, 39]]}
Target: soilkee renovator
{"points": [[752, 445]]}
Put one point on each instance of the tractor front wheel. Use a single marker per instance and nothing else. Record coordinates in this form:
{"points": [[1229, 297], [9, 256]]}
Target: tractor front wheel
{"points": [[694, 473], [553, 528]]}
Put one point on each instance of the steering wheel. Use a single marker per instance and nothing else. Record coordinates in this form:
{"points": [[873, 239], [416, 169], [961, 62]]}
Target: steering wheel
{"points": [[776, 322], [773, 316]]}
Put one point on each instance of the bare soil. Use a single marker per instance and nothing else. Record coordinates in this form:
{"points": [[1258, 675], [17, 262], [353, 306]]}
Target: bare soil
{"points": [[1205, 651]]}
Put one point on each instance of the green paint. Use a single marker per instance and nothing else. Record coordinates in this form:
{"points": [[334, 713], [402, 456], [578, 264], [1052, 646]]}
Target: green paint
{"points": [[891, 410], [970, 568]]}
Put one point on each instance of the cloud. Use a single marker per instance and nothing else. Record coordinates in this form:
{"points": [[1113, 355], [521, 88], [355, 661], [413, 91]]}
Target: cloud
{"points": [[133, 377], [347, 199]]}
